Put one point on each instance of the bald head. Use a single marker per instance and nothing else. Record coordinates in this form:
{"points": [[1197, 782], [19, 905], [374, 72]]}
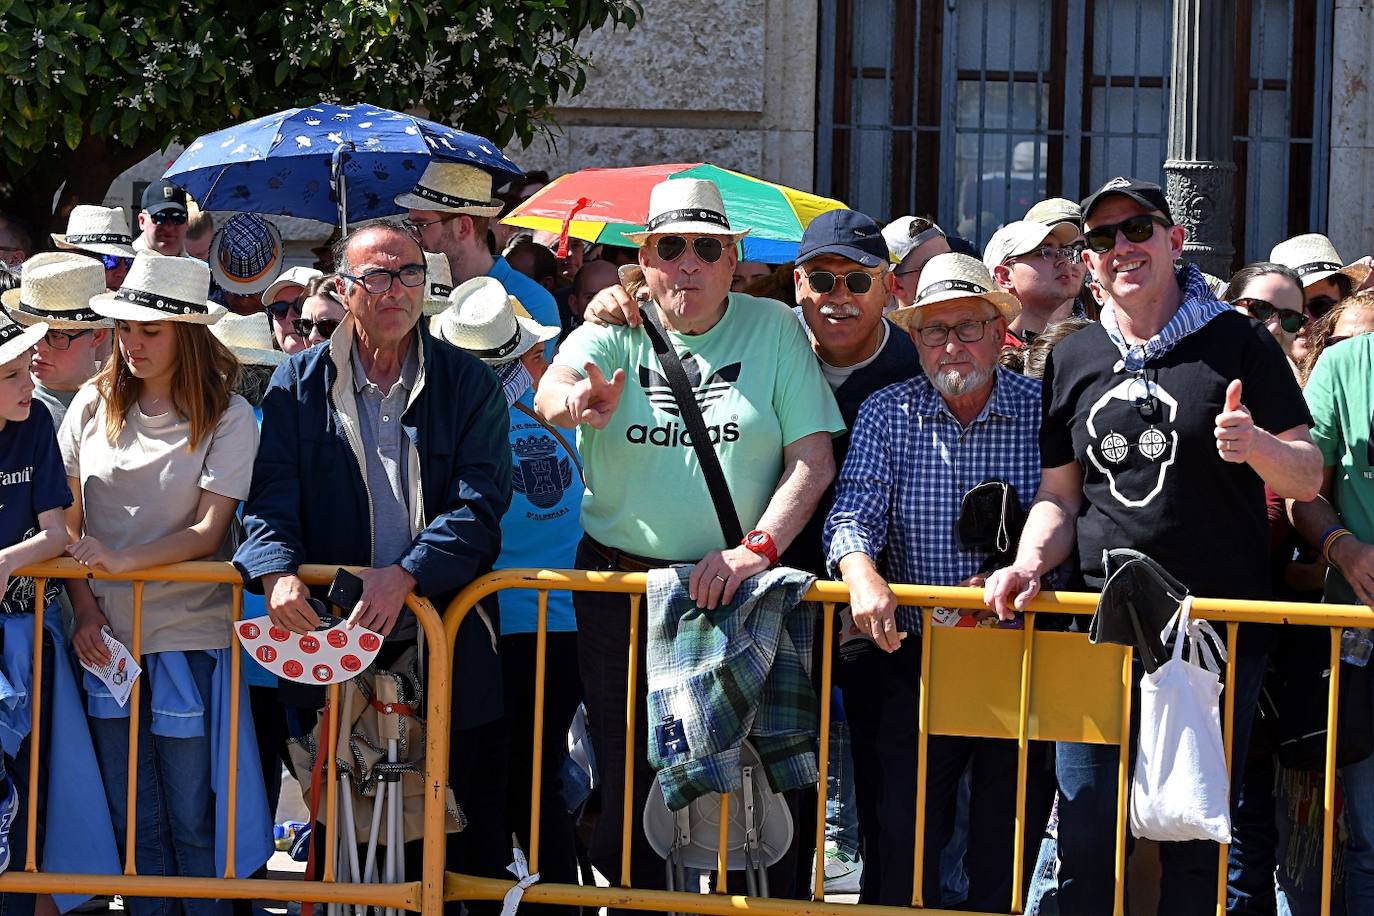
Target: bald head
{"points": [[591, 279]]}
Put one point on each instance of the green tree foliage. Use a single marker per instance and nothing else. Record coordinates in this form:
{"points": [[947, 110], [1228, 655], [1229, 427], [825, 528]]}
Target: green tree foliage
{"points": [[87, 89]]}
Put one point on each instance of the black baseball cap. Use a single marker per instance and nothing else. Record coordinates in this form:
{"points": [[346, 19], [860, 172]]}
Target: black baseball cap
{"points": [[847, 233], [163, 195], [1145, 193]]}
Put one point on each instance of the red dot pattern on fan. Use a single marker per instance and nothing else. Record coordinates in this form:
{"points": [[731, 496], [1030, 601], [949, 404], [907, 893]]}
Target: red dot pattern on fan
{"points": [[322, 673], [250, 630], [292, 668], [267, 654]]}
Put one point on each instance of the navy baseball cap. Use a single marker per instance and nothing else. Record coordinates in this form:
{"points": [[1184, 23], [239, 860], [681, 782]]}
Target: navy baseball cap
{"points": [[847, 233], [163, 195], [1145, 193]]}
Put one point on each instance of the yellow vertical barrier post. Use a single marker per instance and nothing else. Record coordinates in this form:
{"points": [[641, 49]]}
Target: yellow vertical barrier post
{"points": [[1228, 736], [1123, 785], [1333, 701], [1018, 854], [631, 695], [437, 749], [537, 757], [131, 790], [232, 794], [823, 761], [35, 729], [331, 786], [922, 741], [723, 844]]}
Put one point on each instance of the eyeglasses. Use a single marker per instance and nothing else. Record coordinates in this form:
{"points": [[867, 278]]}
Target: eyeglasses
{"points": [[326, 326], [937, 335], [175, 217], [856, 281], [707, 247], [62, 340], [416, 225], [1136, 229], [1289, 320], [1052, 254], [282, 307], [112, 261], [1318, 306], [379, 281]]}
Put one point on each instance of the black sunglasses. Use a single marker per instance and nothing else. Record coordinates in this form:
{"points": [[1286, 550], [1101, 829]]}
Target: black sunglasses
{"points": [[111, 261], [671, 247], [1289, 320], [856, 281], [175, 217], [1136, 229], [326, 326], [1318, 306], [282, 307]]}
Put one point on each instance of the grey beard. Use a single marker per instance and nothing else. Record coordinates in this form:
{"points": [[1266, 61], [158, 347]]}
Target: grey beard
{"points": [[952, 384]]}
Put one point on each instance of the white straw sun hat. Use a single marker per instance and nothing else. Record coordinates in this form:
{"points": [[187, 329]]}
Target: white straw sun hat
{"points": [[689, 206], [249, 337], [452, 187], [56, 287], [956, 276], [103, 230], [1312, 257], [486, 321], [160, 288]]}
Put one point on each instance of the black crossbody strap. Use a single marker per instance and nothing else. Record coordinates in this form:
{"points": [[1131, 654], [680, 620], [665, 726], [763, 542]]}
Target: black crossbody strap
{"points": [[690, 412]]}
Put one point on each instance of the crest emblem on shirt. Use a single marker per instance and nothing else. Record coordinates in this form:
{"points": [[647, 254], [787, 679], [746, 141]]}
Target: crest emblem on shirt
{"points": [[1136, 464], [710, 391], [539, 473]]}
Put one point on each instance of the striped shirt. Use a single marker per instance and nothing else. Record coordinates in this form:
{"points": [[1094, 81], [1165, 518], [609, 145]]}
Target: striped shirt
{"points": [[910, 463]]}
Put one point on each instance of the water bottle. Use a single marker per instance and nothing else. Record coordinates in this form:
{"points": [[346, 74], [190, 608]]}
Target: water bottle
{"points": [[1356, 645]]}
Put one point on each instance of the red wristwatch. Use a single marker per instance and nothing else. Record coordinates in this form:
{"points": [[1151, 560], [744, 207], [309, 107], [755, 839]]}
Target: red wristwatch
{"points": [[761, 542]]}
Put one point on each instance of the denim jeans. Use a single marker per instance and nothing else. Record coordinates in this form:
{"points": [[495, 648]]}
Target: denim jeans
{"points": [[175, 820], [1357, 780], [841, 811], [1087, 818]]}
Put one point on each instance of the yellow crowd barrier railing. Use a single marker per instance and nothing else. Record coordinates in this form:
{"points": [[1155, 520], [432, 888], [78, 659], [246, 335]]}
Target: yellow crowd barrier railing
{"points": [[1030, 684], [422, 895]]}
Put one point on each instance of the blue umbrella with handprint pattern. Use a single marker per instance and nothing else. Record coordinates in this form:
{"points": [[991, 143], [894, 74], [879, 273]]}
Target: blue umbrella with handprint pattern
{"points": [[293, 162]]}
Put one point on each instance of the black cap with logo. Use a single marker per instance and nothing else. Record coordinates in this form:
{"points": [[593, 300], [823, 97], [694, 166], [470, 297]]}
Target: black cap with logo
{"points": [[163, 195], [1145, 193], [847, 233]]}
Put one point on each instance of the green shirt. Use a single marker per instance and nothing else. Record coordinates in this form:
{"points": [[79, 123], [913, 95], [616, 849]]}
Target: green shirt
{"points": [[760, 388], [1341, 401]]}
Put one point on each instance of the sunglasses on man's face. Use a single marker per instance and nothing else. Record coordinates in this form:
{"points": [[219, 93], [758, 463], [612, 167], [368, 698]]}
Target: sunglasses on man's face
{"points": [[112, 261], [1292, 322], [326, 326], [282, 307], [707, 247], [1136, 229], [1318, 306], [175, 217], [856, 281]]}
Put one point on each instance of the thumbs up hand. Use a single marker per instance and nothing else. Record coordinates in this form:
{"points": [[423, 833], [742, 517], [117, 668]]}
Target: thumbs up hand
{"points": [[1235, 430]]}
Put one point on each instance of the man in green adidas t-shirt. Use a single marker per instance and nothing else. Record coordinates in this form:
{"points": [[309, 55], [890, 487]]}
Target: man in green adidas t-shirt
{"points": [[769, 414]]}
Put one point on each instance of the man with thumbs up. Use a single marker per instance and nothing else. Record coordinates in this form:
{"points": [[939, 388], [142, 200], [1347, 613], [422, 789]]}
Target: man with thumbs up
{"points": [[1161, 425]]}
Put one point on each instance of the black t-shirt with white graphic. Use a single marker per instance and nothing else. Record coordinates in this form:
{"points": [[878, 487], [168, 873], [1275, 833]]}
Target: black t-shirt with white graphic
{"points": [[1153, 480]]}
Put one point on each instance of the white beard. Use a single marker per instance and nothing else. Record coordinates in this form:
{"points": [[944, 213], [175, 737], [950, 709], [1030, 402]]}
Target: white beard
{"points": [[951, 384]]}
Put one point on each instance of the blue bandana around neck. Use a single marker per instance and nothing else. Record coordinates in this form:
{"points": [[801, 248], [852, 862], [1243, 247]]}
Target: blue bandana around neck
{"points": [[1199, 305]]}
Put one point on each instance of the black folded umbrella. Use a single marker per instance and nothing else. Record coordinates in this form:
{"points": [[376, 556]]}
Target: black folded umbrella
{"points": [[1137, 601], [990, 520]]}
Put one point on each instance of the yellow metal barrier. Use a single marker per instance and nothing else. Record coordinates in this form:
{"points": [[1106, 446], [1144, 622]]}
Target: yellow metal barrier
{"points": [[422, 895], [1030, 688]]}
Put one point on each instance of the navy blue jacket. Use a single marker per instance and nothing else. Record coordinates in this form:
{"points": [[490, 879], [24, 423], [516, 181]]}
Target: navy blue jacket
{"points": [[309, 503]]}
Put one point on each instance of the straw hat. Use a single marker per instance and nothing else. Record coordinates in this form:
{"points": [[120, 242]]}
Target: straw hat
{"points": [[1313, 257], [56, 288], [483, 319], [160, 288], [452, 187], [438, 283], [245, 254], [249, 337], [16, 340], [103, 230], [294, 276], [947, 277], [690, 206]]}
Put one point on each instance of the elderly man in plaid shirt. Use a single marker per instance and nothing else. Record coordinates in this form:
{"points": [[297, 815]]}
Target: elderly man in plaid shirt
{"points": [[919, 446]]}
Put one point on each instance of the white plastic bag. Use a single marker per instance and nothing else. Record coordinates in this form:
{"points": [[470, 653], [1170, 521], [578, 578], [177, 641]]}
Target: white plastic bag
{"points": [[1181, 790]]}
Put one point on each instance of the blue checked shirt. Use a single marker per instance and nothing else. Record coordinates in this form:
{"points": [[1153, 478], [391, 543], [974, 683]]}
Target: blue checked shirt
{"points": [[909, 465]]}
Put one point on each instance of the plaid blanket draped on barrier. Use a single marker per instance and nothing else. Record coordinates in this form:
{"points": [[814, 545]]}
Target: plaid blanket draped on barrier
{"points": [[718, 677]]}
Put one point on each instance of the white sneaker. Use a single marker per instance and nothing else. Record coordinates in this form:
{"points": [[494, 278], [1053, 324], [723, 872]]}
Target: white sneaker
{"points": [[842, 872]]}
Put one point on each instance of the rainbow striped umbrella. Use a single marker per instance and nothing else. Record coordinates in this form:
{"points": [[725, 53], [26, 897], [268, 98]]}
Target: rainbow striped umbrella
{"points": [[601, 205]]}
